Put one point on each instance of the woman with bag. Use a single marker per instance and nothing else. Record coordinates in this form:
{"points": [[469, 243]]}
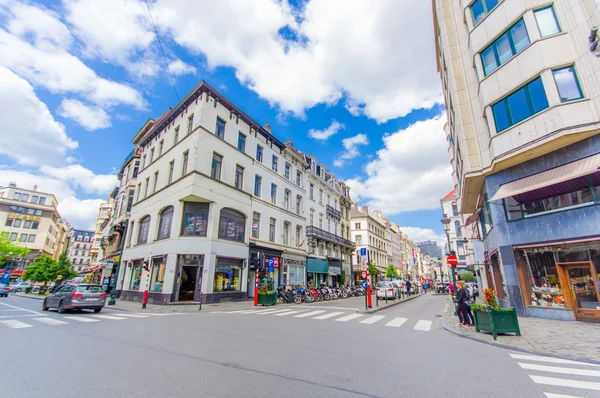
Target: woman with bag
{"points": [[464, 305]]}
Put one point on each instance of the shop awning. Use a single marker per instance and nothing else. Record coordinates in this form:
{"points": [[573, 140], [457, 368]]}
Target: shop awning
{"points": [[472, 218], [548, 178], [317, 265]]}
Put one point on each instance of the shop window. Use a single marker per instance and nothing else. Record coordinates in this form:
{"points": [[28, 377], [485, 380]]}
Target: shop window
{"points": [[136, 274], [143, 229], [232, 225], [296, 275], [567, 84], [513, 41], [518, 106], [157, 278], [545, 285], [227, 275], [195, 219], [164, 225]]}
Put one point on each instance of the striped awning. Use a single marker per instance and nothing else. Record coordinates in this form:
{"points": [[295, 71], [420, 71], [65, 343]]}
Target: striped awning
{"points": [[558, 175]]}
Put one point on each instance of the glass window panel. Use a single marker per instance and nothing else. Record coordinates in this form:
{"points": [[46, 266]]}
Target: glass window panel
{"points": [[519, 35], [164, 225], [227, 276], [538, 95], [488, 58], [157, 278], [513, 209], [572, 253], [490, 4], [546, 21], [501, 116], [518, 105], [503, 48], [478, 11], [566, 82], [232, 225], [143, 230], [195, 219]]}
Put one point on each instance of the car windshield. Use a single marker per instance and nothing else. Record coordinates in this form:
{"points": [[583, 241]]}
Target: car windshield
{"points": [[384, 284], [89, 289]]}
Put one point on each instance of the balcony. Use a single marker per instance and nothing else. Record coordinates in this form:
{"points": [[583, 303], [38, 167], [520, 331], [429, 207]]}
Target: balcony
{"points": [[333, 212], [314, 232]]}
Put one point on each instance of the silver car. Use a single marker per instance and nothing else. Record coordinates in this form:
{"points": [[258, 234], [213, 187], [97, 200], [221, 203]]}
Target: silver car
{"points": [[76, 297]]}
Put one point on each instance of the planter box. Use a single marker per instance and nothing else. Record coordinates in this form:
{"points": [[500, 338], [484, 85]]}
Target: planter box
{"points": [[496, 322], [267, 299]]}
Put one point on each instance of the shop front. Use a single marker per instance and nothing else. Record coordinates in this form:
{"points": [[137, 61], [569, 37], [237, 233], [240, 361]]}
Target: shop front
{"points": [[317, 271], [335, 272], [294, 270], [561, 281], [270, 271]]}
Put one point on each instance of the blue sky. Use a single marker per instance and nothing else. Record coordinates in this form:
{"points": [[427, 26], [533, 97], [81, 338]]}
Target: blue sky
{"points": [[337, 81]]}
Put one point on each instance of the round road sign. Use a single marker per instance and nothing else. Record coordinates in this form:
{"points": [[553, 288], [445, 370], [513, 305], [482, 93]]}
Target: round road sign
{"points": [[364, 274], [452, 260]]}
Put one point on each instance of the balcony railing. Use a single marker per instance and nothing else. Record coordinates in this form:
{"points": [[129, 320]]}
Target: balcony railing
{"points": [[318, 233], [333, 212]]}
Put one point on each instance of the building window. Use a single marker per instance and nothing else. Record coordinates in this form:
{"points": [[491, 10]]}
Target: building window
{"points": [[144, 162], [154, 186], [165, 222], [357, 225], [320, 196], [259, 153], [505, 47], [143, 230], [298, 204], [286, 233], [311, 191], [35, 225], [518, 106], [31, 238], [9, 222], [184, 164], [27, 224], [215, 172], [239, 177], [37, 212], [136, 275], [227, 275], [255, 225], [17, 196], [157, 278], [13, 236], [274, 165], [274, 194], [286, 199], [195, 219], [171, 168], [454, 209], [272, 230], [359, 240], [287, 170], [190, 124], [136, 169], [241, 142], [298, 178], [298, 235], [161, 144], [151, 155], [567, 84], [232, 225], [139, 192], [457, 229], [34, 199], [320, 222], [25, 197], [147, 185], [220, 129], [42, 200], [485, 217], [546, 21], [176, 136], [257, 185], [312, 218], [17, 223], [480, 8]]}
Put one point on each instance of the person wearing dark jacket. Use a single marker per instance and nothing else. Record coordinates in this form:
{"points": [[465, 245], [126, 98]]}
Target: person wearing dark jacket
{"points": [[464, 308]]}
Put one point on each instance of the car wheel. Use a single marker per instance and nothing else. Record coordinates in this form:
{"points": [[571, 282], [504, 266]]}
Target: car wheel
{"points": [[18, 289], [61, 308], [97, 310], [44, 306]]}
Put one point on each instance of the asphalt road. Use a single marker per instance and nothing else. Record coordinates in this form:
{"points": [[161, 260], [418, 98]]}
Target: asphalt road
{"points": [[402, 351]]}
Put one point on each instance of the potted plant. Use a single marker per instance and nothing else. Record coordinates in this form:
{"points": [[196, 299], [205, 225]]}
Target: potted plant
{"points": [[489, 317], [266, 296]]}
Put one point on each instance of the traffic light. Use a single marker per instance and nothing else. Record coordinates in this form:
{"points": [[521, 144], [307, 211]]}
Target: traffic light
{"points": [[146, 265], [256, 262]]}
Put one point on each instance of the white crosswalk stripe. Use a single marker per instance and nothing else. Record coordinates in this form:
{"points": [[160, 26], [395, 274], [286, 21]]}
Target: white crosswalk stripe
{"points": [[349, 317], [563, 370], [110, 317], [549, 359], [307, 314], [14, 324], [373, 319], [423, 325], [289, 313], [396, 322], [550, 395], [329, 315], [555, 381], [134, 316], [82, 319], [273, 312], [51, 321]]}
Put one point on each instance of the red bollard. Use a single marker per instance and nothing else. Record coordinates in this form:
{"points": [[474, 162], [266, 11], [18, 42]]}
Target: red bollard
{"points": [[369, 300], [144, 299], [256, 289]]}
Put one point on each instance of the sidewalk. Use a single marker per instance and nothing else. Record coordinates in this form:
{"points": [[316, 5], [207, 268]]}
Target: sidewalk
{"points": [[572, 340]]}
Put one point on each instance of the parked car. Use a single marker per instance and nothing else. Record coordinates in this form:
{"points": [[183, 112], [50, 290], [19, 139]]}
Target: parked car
{"points": [[401, 285], [76, 297], [4, 290], [19, 287], [386, 289]]}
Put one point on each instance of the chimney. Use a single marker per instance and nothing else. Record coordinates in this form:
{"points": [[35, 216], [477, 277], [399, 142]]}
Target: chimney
{"points": [[268, 127], [12, 184], [365, 210], [35, 188]]}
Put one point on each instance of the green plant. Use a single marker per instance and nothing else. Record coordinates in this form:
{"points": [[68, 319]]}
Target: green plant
{"points": [[372, 269], [343, 278], [468, 276], [46, 269], [391, 272], [10, 249]]}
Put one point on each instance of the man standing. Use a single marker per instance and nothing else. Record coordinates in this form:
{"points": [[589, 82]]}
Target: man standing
{"points": [[408, 287]]}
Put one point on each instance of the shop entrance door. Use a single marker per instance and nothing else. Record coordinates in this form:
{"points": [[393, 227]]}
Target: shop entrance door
{"points": [[190, 283], [582, 290]]}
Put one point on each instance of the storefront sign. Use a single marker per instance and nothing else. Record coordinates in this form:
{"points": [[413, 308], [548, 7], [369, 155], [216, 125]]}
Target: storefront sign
{"points": [[255, 227], [276, 262], [109, 264], [271, 266]]}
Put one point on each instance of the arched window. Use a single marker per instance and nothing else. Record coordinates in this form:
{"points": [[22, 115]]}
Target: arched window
{"points": [[165, 222], [232, 225], [457, 228], [454, 209], [143, 230]]}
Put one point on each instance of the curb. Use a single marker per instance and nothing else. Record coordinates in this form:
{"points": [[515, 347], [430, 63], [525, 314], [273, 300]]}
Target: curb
{"points": [[374, 310], [509, 347]]}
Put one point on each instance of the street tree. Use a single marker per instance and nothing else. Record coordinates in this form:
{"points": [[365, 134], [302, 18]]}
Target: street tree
{"points": [[10, 249], [391, 272], [45, 269], [468, 276], [372, 270]]}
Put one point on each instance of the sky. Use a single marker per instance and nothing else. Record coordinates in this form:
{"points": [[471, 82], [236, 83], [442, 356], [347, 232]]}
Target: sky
{"points": [[352, 82]]}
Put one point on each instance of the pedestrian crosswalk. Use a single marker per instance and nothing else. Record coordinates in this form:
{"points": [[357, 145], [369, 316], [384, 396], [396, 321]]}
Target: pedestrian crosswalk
{"points": [[561, 378], [422, 325]]}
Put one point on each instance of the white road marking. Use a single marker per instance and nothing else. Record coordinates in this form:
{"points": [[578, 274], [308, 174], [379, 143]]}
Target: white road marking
{"points": [[22, 309], [329, 315], [289, 312], [239, 311], [133, 315], [396, 322], [554, 369], [372, 320], [10, 310], [553, 381], [114, 318], [81, 319], [423, 325], [349, 317], [273, 312], [551, 395], [51, 321], [549, 359], [263, 311], [308, 314], [14, 324]]}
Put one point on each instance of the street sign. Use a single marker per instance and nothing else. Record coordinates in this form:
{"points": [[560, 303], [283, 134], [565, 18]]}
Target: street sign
{"points": [[271, 266], [363, 274], [363, 251], [364, 284], [452, 260]]}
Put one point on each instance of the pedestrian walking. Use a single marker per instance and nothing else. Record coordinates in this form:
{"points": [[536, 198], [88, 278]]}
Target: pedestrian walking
{"points": [[451, 288], [464, 306], [408, 284]]}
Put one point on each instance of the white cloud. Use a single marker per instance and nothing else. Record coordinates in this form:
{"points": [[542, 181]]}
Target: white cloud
{"points": [[179, 68], [351, 145], [411, 172], [333, 128], [417, 234], [29, 133], [77, 175], [91, 118], [42, 24]]}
